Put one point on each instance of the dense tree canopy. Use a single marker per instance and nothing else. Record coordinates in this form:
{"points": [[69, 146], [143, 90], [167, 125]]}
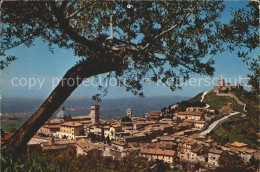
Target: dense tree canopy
{"points": [[156, 38], [168, 39], [126, 119], [231, 161], [161, 39]]}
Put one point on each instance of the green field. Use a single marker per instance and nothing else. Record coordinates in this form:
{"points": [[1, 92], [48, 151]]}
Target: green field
{"points": [[216, 102], [7, 124], [197, 98]]}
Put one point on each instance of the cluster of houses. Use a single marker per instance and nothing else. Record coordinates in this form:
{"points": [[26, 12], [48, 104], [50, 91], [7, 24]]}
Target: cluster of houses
{"points": [[153, 136]]}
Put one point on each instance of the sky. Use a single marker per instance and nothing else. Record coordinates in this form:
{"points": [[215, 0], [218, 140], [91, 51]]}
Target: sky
{"points": [[39, 67]]}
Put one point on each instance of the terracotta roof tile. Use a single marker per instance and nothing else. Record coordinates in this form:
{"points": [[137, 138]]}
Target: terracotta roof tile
{"points": [[246, 150], [215, 151], [72, 124], [238, 144], [119, 143], [194, 121], [191, 113], [157, 152]]}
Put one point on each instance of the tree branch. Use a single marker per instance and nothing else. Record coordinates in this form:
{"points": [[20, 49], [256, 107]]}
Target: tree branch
{"points": [[79, 10], [164, 32], [66, 28], [78, 73]]}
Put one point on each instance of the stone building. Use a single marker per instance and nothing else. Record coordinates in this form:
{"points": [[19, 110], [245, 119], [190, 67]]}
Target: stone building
{"points": [[224, 87], [119, 145], [197, 124], [213, 156], [55, 125], [129, 112], [167, 156], [154, 115], [190, 115], [70, 130], [94, 114]]}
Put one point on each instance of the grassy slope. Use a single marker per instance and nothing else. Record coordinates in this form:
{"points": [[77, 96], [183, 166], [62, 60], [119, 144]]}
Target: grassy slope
{"points": [[5, 125], [196, 98], [237, 128], [216, 102]]}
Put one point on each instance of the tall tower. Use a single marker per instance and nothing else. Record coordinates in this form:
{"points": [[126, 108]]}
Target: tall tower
{"points": [[94, 114], [221, 82], [129, 112]]}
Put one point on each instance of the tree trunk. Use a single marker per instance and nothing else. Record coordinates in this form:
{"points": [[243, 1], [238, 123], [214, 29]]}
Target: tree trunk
{"points": [[79, 72]]}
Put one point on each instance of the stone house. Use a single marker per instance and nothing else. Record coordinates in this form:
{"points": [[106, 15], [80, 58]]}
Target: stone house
{"points": [[119, 145], [190, 115], [213, 157], [70, 130], [195, 152], [167, 156], [224, 87], [246, 154], [196, 124]]}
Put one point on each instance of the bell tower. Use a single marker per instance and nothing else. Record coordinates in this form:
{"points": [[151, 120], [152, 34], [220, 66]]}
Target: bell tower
{"points": [[221, 82], [94, 114], [129, 112]]}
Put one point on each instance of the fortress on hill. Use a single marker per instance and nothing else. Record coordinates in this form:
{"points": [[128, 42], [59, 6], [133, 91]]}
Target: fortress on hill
{"points": [[224, 87]]}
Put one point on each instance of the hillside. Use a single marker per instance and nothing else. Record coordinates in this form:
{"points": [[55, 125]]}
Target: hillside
{"points": [[243, 127]]}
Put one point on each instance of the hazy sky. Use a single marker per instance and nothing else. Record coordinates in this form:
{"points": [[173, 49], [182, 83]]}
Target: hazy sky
{"points": [[37, 62]]}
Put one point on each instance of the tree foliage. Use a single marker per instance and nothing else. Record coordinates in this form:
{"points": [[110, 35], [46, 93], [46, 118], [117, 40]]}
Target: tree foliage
{"points": [[231, 161], [161, 39], [67, 160], [254, 77], [166, 41], [126, 119]]}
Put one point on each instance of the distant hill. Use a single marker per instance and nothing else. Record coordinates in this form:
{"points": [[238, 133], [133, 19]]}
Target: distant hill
{"points": [[110, 108], [243, 127]]}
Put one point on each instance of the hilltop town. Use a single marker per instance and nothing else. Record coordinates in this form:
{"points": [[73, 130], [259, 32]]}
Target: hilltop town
{"points": [[175, 134]]}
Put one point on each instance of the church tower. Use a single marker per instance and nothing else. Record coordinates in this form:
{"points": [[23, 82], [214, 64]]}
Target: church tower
{"points": [[221, 82], [129, 113], [94, 114]]}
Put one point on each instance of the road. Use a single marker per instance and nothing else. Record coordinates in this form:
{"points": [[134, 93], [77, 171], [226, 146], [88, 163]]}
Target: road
{"points": [[215, 123], [202, 98]]}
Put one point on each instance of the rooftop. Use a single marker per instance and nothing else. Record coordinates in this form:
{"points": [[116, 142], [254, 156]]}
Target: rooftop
{"points": [[88, 149], [119, 143], [72, 124], [157, 152], [234, 150], [194, 121], [51, 126], [238, 144], [246, 150], [209, 141], [80, 117], [82, 142], [63, 114], [55, 121], [197, 148], [215, 151], [155, 112], [190, 113]]}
